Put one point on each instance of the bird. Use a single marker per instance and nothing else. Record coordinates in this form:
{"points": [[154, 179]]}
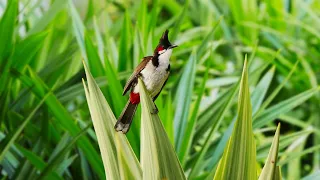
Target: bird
{"points": [[154, 72]]}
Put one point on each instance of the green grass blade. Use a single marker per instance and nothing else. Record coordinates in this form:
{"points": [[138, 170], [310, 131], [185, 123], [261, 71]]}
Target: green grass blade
{"points": [[103, 121], [156, 8], [7, 28], [203, 46], [142, 17], [27, 49], [99, 39], [276, 91], [78, 27], [285, 141], [273, 112], [23, 54], [294, 166], [11, 139], [218, 152], [216, 124], [125, 61], [180, 20], [275, 10], [183, 100], [261, 90], [239, 158], [36, 161], [115, 87], [94, 61], [90, 10], [208, 117], [59, 157], [298, 154], [45, 19], [220, 106], [245, 11], [64, 118], [158, 158], [186, 143], [166, 115], [269, 171]]}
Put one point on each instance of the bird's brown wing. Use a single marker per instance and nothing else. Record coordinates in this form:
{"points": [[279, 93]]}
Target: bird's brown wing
{"points": [[134, 75]]}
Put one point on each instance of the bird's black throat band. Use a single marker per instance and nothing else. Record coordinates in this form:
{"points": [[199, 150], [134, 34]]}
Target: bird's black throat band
{"points": [[155, 60]]}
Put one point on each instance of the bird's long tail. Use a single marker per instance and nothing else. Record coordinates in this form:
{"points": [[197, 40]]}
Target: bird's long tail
{"points": [[125, 119]]}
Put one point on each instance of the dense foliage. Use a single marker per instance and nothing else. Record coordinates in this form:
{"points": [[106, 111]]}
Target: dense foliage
{"points": [[45, 124]]}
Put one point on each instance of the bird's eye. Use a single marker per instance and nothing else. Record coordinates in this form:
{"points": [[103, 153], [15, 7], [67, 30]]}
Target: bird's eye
{"points": [[160, 48]]}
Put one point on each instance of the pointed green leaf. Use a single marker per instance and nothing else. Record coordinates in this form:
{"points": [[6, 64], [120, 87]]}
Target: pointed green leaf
{"points": [[239, 157], [269, 171], [158, 158]]}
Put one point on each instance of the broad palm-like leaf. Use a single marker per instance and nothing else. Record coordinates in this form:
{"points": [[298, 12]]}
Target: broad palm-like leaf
{"points": [[111, 151]]}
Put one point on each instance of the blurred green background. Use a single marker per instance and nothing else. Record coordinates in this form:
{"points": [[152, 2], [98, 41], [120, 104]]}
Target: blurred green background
{"points": [[43, 110]]}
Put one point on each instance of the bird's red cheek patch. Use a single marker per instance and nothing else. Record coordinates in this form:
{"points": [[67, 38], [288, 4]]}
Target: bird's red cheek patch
{"points": [[160, 48], [134, 98]]}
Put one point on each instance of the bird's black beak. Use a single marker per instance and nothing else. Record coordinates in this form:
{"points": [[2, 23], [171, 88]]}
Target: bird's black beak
{"points": [[173, 46]]}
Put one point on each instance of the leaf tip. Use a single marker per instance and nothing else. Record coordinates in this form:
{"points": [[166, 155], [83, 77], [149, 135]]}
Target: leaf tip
{"points": [[278, 129], [83, 81], [85, 66]]}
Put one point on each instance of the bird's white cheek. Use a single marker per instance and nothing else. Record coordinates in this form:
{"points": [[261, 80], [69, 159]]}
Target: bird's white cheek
{"points": [[164, 57], [160, 52]]}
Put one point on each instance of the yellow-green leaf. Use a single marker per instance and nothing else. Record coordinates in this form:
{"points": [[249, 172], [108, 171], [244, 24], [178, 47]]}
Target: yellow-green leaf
{"points": [[158, 158], [269, 170], [277, 174], [103, 121], [239, 157]]}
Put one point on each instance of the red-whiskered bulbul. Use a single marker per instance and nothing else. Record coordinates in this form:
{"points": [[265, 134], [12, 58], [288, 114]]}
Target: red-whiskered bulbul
{"points": [[154, 72]]}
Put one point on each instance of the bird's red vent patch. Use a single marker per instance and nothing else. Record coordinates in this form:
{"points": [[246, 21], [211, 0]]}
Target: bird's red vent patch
{"points": [[134, 98]]}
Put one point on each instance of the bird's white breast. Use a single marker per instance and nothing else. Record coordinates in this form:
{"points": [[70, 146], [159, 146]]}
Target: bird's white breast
{"points": [[154, 77]]}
